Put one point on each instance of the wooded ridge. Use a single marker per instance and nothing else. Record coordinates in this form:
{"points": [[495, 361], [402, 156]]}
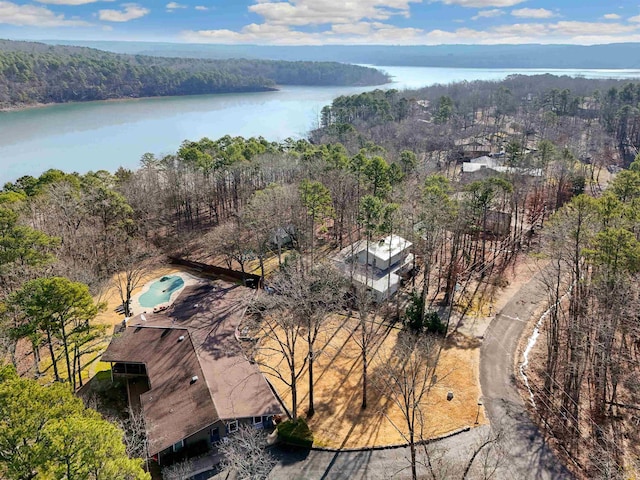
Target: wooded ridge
{"points": [[35, 73]]}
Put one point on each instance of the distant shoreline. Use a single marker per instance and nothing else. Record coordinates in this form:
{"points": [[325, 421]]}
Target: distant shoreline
{"points": [[34, 106]]}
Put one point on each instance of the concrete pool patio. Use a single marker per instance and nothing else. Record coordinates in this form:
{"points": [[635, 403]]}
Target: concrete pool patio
{"points": [[147, 289]]}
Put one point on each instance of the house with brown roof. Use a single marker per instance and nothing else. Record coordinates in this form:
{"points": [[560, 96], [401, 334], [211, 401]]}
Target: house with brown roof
{"points": [[186, 371]]}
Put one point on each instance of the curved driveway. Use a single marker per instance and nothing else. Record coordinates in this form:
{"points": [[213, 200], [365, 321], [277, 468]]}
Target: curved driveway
{"points": [[527, 455]]}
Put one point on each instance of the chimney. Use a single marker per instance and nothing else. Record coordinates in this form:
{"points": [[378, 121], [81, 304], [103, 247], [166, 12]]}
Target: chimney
{"points": [[194, 379]]}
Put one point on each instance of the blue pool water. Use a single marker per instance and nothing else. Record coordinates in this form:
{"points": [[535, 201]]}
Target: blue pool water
{"points": [[160, 291]]}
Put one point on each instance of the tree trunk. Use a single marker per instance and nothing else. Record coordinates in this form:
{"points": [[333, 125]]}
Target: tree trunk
{"points": [[311, 410], [78, 355], [261, 260], [364, 375], [412, 447], [36, 357], [294, 396], [54, 363], [65, 344]]}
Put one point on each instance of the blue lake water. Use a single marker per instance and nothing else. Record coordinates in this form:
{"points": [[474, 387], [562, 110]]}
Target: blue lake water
{"points": [[105, 135], [160, 291]]}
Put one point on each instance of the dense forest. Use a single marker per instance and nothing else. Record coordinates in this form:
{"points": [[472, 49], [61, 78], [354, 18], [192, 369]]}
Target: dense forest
{"points": [[618, 55], [383, 162], [548, 106], [32, 73]]}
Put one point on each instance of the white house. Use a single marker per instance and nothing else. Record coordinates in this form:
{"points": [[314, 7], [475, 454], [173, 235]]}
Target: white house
{"points": [[378, 265], [384, 253], [497, 165]]}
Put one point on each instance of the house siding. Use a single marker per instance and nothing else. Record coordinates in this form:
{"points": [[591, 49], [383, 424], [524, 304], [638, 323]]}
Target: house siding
{"points": [[168, 456]]}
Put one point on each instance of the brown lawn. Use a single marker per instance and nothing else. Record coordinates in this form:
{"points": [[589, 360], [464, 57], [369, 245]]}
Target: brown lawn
{"points": [[339, 422]]}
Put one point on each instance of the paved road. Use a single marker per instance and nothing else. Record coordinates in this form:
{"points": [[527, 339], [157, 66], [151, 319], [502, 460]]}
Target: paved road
{"points": [[528, 457], [376, 464]]}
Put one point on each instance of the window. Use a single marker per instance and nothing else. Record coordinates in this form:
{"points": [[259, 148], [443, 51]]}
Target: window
{"points": [[178, 446], [232, 426], [257, 420]]}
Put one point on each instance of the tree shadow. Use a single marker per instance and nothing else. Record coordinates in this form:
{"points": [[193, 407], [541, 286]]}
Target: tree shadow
{"points": [[527, 447], [460, 341]]}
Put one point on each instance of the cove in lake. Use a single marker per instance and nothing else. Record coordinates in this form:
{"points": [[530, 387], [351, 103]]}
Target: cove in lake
{"points": [[105, 135]]}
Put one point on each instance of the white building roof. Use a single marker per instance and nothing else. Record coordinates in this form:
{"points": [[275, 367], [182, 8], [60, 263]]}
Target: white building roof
{"points": [[481, 162], [496, 165], [388, 247], [379, 284]]}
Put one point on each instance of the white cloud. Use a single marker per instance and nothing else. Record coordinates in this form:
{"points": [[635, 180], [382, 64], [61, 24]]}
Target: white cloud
{"points": [[483, 3], [611, 16], [201, 8], [635, 19], [380, 33], [533, 13], [358, 33], [71, 2], [287, 22], [496, 12], [171, 6], [570, 28], [320, 12], [34, 16], [130, 11]]}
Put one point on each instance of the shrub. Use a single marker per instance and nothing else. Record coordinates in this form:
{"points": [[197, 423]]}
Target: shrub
{"points": [[413, 313], [431, 322], [296, 432], [434, 324]]}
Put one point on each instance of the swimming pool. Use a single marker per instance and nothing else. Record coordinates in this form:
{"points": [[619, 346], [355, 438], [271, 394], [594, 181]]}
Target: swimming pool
{"points": [[160, 291]]}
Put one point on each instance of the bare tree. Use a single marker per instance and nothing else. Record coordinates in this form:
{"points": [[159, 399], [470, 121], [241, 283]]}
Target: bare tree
{"points": [[405, 378], [297, 310], [368, 335], [130, 266], [135, 435], [486, 457], [480, 460], [178, 471], [245, 454]]}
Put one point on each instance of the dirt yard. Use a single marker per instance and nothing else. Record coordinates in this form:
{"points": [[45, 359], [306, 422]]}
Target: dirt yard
{"points": [[339, 422]]}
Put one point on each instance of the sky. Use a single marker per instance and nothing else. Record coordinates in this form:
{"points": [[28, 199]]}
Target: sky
{"points": [[318, 22]]}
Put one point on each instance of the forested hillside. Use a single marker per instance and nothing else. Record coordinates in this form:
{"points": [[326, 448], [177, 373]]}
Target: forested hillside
{"points": [[32, 73], [618, 55], [564, 109]]}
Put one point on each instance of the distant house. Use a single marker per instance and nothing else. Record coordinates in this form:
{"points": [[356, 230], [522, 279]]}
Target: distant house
{"points": [[496, 164], [186, 372], [472, 147], [379, 265], [482, 162]]}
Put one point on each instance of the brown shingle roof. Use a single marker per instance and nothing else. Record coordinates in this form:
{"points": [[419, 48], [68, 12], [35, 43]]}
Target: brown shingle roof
{"points": [[229, 386], [175, 407]]}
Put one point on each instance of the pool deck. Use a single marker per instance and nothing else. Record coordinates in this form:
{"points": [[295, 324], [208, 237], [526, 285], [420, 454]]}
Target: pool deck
{"points": [[189, 280]]}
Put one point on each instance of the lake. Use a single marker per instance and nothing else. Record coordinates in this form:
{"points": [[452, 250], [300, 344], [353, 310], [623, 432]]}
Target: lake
{"points": [[105, 135]]}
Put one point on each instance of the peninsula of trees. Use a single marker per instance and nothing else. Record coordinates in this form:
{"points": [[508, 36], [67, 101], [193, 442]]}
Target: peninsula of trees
{"points": [[35, 73]]}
